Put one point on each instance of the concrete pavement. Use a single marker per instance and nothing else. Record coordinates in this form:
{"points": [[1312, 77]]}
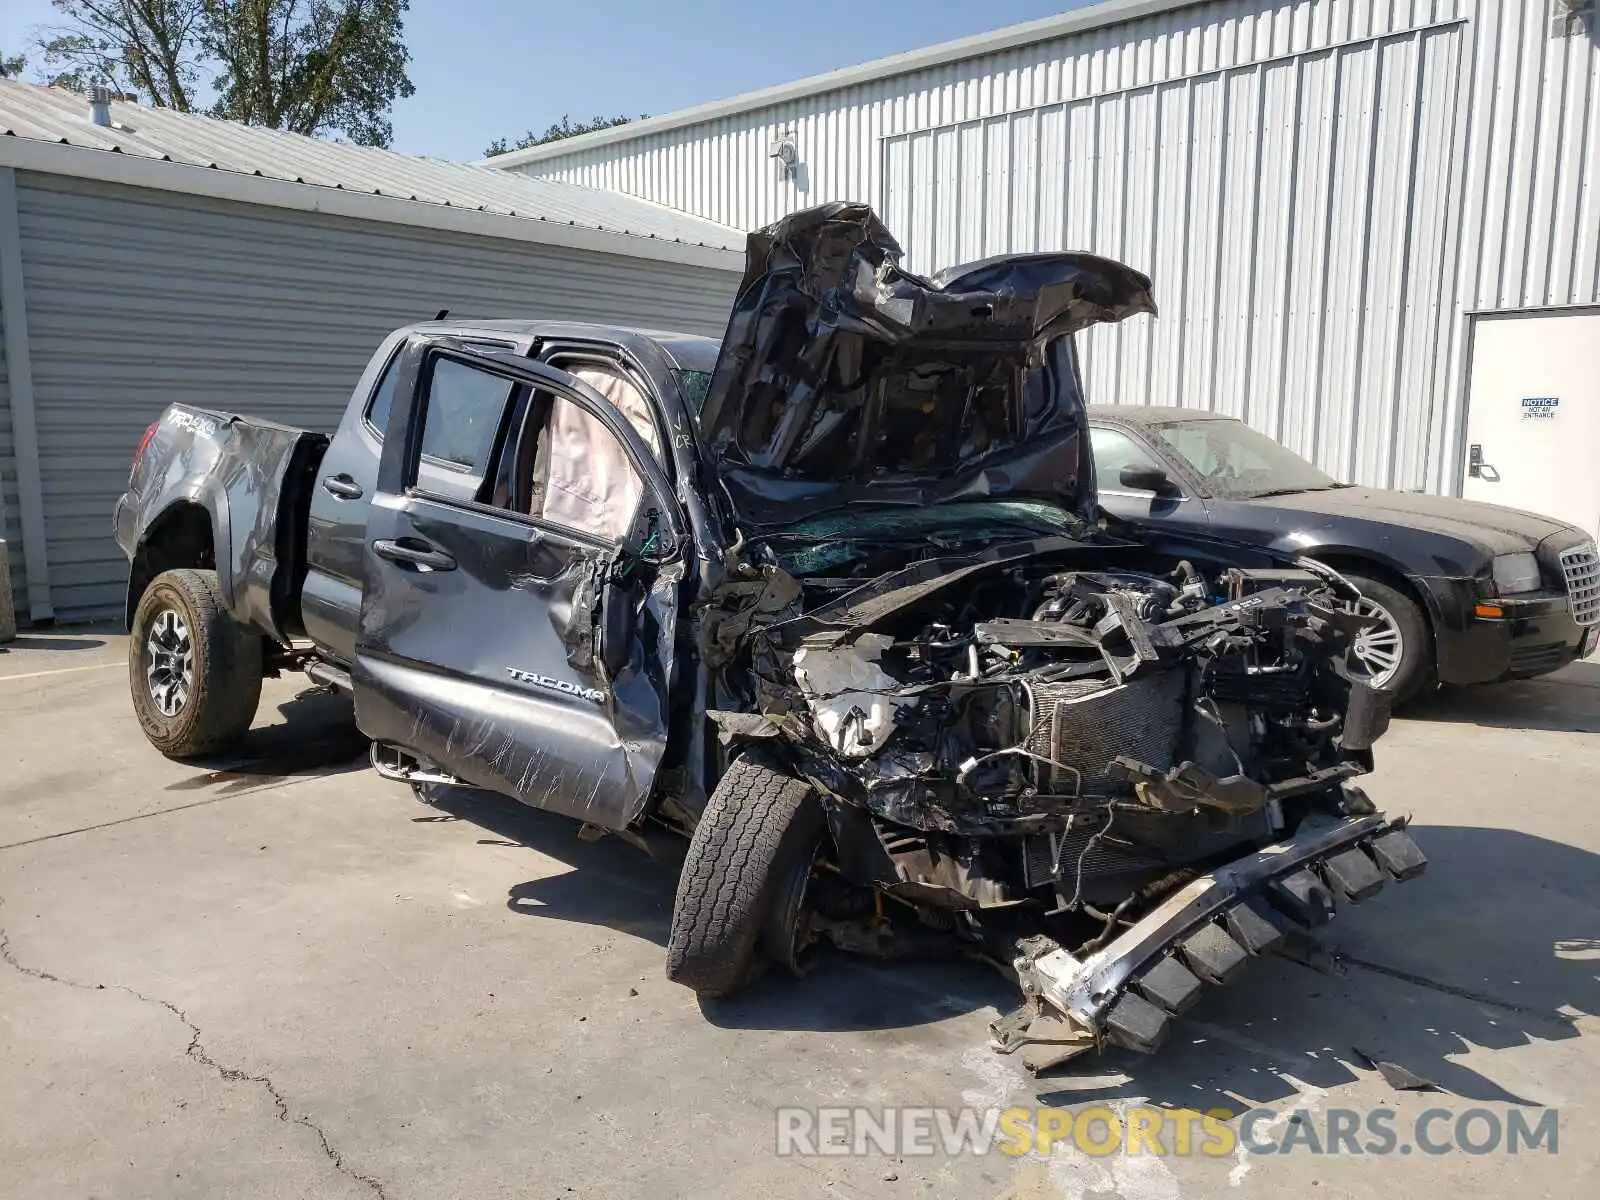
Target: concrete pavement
{"points": [[282, 976]]}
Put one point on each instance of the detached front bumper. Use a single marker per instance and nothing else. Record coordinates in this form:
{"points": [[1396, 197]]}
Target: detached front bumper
{"points": [[1127, 992]]}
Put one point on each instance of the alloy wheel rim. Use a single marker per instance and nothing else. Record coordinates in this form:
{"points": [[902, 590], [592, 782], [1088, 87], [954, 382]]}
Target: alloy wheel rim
{"points": [[1378, 651], [169, 662]]}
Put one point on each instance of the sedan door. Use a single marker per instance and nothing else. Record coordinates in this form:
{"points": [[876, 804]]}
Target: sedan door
{"points": [[517, 626], [1128, 470]]}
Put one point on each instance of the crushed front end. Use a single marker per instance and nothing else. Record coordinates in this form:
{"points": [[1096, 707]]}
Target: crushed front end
{"points": [[1117, 775], [1115, 763]]}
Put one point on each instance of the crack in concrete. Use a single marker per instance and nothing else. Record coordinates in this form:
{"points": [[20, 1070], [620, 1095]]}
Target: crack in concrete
{"points": [[1450, 989], [160, 812], [1338, 959], [196, 1052]]}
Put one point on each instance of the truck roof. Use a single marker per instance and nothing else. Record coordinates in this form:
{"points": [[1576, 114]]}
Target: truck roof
{"points": [[688, 351]]}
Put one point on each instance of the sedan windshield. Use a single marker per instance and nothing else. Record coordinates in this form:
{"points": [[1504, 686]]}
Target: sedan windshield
{"points": [[1238, 463]]}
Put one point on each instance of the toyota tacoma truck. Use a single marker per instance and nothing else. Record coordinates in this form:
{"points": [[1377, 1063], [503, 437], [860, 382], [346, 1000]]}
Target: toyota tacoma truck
{"points": [[833, 598]]}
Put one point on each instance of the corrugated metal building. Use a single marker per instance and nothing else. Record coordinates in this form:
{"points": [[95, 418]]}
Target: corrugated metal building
{"points": [[1324, 191], [167, 257]]}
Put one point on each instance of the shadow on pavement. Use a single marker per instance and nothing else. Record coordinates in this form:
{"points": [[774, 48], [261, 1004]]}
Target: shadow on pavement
{"points": [[40, 641], [318, 736], [1492, 949], [617, 885], [612, 883], [1565, 702], [845, 993], [1495, 947]]}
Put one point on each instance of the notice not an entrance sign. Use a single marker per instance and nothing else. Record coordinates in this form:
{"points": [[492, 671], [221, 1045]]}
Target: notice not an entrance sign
{"points": [[1540, 408]]}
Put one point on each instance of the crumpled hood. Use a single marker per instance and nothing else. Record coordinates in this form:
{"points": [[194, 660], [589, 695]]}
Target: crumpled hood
{"points": [[843, 379], [1487, 527]]}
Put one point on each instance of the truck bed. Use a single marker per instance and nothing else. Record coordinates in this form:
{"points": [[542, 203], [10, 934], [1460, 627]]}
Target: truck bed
{"points": [[229, 490]]}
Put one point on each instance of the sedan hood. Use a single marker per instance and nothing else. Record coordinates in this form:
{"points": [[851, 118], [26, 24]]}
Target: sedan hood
{"points": [[843, 379], [1493, 529]]}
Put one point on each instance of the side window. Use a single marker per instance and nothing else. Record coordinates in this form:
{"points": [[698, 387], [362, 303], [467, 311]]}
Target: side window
{"points": [[463, 415], [461, 419], [558, 463], [377, 414], [1112, 452]]}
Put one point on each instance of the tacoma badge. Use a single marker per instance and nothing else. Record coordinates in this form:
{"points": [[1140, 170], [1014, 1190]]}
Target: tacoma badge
{"points": [[557, 685]]}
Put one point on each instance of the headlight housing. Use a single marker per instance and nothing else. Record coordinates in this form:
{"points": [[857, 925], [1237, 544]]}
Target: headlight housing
{"points": [[1515, 573]]}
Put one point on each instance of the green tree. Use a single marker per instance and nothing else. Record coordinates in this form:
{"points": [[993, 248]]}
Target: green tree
{"points": [[11, 67], [309, 66], [565, 128]]}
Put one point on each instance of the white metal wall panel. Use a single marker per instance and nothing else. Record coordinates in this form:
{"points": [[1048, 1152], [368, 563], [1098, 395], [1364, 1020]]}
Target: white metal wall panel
{"points": [[1528, 177], [1442, 182], [719, 169], [1292, 214], [137, 299]]}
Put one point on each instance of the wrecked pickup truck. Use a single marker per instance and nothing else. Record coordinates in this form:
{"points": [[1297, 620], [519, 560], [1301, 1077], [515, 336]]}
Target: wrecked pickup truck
{"points": [[833, 598]]}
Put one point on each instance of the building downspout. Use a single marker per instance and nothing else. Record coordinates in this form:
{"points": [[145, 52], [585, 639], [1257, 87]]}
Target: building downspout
{"points": [[24, 428]]}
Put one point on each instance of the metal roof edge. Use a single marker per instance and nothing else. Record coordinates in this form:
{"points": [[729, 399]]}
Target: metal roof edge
{"points": [[58, 158], [1082, 20]]}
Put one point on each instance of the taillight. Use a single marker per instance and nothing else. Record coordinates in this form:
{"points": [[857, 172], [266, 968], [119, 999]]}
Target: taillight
{"points": [[144, 443]]}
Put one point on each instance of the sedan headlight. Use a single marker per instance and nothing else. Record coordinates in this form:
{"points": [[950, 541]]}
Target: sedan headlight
{"points": [[1515, 573]]}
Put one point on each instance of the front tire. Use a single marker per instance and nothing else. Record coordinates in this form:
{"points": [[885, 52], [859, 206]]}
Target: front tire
{"points": [[194, 673], [754, 846], [1396, 657]]}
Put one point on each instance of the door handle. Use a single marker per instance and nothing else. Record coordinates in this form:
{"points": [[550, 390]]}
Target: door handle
{"points": [[342, 486], [410, 552]]}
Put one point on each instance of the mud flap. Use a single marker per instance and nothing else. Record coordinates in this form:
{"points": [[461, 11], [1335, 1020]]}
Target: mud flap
{"points": [[1128, 992]]}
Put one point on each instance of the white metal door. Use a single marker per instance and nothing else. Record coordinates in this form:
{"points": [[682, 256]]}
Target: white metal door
{"points": [[1533, 415]]}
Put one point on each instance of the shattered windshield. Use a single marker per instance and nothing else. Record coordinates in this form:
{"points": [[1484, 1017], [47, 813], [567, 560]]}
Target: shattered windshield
{"points": [[693, 385], [1239, 463], [841, 538]]}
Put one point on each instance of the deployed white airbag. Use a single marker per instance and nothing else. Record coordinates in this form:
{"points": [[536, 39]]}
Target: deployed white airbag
{"points": [[850, 696]]}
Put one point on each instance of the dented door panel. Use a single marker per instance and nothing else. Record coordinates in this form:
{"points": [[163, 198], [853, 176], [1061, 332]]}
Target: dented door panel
{"points": [[481, 646], [476, 668]]}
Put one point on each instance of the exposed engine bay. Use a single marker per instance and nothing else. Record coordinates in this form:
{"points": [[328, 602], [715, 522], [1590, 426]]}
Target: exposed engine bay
{"points": [[1033, 759], [1114, 761]]}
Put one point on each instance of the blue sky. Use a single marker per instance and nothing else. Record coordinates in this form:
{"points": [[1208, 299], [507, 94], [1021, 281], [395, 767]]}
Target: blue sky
{"points": [[487, 68]]}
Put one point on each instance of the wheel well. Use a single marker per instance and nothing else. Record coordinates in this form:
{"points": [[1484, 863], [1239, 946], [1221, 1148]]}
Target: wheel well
{"points": [[1355, 564], [180, 537]]}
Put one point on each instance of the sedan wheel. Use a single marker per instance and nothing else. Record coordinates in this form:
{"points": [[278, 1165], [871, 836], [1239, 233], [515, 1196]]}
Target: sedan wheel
{"points": [[1379, 651], [1396, 654]]}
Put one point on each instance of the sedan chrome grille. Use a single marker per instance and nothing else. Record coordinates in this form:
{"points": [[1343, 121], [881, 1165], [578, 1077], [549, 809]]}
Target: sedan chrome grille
{"points": [[1581, 566]]}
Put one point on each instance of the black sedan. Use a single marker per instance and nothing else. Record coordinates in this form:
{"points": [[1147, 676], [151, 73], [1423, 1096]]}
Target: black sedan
{"points": [[1466, 592]]}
